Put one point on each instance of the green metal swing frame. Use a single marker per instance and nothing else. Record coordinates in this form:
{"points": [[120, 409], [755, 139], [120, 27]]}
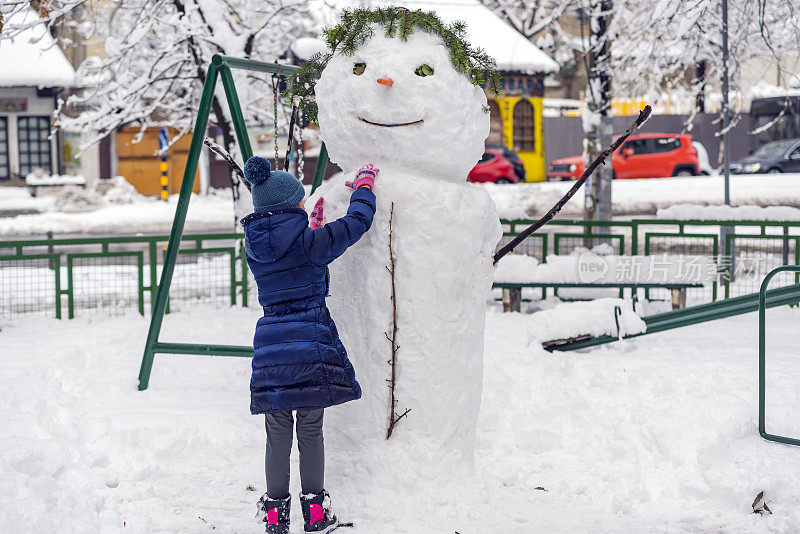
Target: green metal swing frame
{"points": [[762, 354], [220, 68]]}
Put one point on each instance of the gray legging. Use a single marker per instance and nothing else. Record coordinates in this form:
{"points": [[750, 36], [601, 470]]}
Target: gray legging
{"points": [[310, 443]]}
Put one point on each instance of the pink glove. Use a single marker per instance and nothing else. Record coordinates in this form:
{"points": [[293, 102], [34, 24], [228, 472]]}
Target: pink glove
{"points": [[315, 220], [365, 177]]}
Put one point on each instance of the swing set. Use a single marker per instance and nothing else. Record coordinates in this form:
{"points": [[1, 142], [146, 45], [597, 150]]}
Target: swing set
{"points": [[220, 68]]}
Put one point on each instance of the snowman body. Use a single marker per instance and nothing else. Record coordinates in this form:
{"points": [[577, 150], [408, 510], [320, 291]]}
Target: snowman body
{"points": [[424, 134]]}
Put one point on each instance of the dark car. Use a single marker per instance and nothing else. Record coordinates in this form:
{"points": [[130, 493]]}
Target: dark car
{"points": [[510, 155], [774, 157]]}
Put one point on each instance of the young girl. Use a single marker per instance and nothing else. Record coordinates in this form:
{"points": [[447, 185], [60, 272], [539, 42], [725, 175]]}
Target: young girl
{"points": [[300, 363]]}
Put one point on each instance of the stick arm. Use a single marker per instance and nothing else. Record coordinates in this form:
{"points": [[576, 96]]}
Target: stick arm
{"points": [[599, 160]]}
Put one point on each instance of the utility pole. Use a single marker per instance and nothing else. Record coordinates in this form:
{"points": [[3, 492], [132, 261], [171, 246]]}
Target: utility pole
{"points": [[726, 149], [600, 129]]}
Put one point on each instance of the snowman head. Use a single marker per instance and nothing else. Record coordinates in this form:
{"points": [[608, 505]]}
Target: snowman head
{"points": [[399, 102]]}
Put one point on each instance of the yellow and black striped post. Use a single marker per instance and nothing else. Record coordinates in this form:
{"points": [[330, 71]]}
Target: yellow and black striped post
{"points": [[163, 144], [164, 178]]}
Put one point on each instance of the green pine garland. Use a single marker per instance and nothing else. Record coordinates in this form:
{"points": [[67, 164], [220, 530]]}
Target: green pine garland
{"points": [[356, 26]]}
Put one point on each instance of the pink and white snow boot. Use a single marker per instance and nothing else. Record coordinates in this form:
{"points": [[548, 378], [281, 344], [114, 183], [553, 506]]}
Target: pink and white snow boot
{"points": [[317, 513], [276, 514]]}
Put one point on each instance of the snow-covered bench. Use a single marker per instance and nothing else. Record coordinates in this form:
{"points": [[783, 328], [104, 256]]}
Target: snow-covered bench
{"points": [[588, 270], [35, 181], [583, 320]]}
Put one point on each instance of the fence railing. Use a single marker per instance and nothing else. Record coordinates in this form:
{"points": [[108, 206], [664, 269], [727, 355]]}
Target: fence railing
{"points": [[115, 275], [747, 252]]}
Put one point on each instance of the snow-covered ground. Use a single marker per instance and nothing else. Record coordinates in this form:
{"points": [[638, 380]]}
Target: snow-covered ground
{"points": [[212, 213], [529, 200], [13, 199], [646, 196], [657, 434]]}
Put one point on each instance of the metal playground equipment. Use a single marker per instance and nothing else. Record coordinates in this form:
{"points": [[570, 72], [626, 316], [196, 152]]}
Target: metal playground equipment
{"points": [[220, 68], [763, 304]]}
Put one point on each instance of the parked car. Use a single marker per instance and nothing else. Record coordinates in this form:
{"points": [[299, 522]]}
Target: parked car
{"points": [[516, 161], [493, 167], [773, 157], [647, 155]]}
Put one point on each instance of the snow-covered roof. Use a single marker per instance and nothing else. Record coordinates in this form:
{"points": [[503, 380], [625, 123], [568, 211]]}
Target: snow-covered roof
{"points": [[31, 57], [486, 30]]}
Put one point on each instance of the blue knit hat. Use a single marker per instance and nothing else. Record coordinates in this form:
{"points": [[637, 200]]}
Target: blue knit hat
{"points": [[272, 190]]}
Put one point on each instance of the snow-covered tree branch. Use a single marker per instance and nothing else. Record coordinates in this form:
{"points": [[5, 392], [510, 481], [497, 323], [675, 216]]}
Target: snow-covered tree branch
{"points": [[157, 53], [530, 17], [661, 45]]}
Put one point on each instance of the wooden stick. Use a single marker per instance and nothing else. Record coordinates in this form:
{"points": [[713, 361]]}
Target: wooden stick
{"points": [[599, 160], [224, 154], [394, 417]]}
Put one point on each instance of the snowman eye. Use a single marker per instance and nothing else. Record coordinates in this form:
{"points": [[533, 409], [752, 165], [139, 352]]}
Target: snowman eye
{"points": [[358, 68], [424, 70]]}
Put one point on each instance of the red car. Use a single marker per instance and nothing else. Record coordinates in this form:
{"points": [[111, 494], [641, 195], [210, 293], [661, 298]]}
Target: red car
{"points": [[649, 155], [493, 167]]}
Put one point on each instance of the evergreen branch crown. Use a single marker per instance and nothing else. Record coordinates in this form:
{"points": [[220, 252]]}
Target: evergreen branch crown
{"points": [[356, 26]]}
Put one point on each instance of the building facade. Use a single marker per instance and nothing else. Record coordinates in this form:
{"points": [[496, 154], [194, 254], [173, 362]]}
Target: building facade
{"points": [[34, 73], [516, 121]]}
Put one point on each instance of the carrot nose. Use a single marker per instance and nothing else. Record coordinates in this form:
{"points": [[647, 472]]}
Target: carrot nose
{"points": [[386, 81]]}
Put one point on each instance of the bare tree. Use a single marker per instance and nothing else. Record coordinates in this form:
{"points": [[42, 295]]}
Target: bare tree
{"points": [[157, 53], [530, 17], [661, 45]]}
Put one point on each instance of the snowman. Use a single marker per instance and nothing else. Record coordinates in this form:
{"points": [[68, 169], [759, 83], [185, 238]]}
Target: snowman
{"points": [[400, 105]]}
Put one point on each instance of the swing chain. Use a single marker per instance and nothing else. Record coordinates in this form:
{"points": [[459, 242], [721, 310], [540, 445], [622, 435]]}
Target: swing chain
{"points": [[275, 116], [275, 85], [300, 175]]}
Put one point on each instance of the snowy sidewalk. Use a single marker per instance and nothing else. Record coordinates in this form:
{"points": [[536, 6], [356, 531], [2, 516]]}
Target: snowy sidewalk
{"points": [[529, 200], [654, 435], [646, 196]]}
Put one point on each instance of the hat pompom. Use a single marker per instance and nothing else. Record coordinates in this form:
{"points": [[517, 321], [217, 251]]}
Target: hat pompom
{"points": [[256, 170]]}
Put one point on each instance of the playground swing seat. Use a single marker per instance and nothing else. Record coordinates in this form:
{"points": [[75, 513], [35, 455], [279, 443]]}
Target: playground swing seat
{"points": [[220, 68]]}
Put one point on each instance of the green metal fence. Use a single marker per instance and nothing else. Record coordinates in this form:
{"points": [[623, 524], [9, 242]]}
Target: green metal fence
{"points": [[751, 248], [117, 275], [74, 277]]}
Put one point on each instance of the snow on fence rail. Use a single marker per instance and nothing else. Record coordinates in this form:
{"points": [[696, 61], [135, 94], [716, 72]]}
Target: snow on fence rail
{"points": [[756, 246], [70, 277], [591, 268]]}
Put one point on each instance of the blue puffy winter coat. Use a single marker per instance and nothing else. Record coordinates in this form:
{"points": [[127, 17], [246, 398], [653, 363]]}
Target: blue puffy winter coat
{"points": [[299, 362]]}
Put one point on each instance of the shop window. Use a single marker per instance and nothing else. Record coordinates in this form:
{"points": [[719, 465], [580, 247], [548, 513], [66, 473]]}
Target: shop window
{"points": [[495, 125], [5, 170], [71, 142], [34, 146], [524, 127]]}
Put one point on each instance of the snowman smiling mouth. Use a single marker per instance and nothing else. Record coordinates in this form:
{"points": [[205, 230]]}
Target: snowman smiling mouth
{"points": [[390, 125]]}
